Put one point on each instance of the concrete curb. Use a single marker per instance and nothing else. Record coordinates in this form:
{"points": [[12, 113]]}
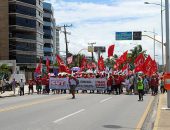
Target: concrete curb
{"points": [[148, 123]]}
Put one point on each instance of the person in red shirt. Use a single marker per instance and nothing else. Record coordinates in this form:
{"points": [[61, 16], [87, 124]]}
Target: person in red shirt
{"points": [[109, 84], [154, 85], [118, 84]]}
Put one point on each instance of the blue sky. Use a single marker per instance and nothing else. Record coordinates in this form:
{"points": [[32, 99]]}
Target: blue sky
{"points": [[98, 20]]}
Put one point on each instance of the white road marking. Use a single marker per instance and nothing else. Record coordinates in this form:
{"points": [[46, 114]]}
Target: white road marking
{"points": [[58, 120], [105, 99]]}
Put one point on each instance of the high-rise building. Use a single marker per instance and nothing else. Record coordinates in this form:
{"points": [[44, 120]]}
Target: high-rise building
{"points": [[49, 32], [21, 29]]}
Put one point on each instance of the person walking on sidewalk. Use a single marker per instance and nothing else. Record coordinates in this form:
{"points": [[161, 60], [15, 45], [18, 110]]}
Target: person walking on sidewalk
{"points": [[140, 87], [14, 85], [21, 84], [73, 82]]}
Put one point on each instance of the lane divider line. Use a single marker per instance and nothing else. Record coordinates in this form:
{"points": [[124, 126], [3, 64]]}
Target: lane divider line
{"points": [[30, 104], [58, 120], [104, 100]]}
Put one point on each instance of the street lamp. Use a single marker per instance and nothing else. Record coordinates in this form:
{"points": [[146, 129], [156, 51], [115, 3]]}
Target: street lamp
{"points": [[154, 34], [162, 33]]}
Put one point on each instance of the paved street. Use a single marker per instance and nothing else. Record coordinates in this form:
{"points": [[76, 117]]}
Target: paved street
{"points": [[60, 112]]}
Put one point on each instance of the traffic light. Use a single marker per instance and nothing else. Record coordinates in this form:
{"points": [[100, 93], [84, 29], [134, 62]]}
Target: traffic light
{"points": [[137, 35]]}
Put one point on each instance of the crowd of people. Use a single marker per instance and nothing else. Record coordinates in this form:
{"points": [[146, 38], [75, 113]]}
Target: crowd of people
{"points": [[116, 84]]}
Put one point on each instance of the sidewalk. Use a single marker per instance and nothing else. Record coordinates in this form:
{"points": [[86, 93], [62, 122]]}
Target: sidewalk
{"points": [[162, 121], [11, 93]]}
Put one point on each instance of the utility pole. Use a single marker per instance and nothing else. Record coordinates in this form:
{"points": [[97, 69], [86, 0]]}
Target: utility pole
{"points": [[162, 35], [92, 50], [167, 47], [154, 44], [66, 41]]}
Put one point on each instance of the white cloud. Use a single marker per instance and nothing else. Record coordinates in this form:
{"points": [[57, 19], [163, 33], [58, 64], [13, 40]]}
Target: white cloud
{"points": [[98, 23]]}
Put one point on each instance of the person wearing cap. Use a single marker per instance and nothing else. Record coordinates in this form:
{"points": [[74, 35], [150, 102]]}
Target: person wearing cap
{"points": [[140, 87]]}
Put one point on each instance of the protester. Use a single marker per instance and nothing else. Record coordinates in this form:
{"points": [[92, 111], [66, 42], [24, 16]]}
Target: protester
{"points": [[30, 86], [109, 84], [73, 82], [140, 88]]}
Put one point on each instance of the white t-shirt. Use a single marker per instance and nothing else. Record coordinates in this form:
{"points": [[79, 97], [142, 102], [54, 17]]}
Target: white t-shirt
{"points": [[21, 84]]}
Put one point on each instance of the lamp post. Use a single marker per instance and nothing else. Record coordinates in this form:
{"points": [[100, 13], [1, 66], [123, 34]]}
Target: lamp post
{"points": [[154, 34], [162, 33], [167, 47]]}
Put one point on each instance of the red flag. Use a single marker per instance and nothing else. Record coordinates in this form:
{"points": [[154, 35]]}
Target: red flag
{"points": [[59, 60], [39, 67], [62, 66], [111, 50], [121, 59], [139, 61], [101, 64], [147, 65], [70, 59], [83, 63], [125, 69], [48, 65]]}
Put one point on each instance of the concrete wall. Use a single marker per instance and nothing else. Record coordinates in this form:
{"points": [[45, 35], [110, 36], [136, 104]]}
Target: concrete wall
{"points": [[4, 30]]}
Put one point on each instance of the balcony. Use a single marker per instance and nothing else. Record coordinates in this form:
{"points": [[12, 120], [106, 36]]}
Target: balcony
{"points": [[47, 49], [48, 32], [48, 15], [48, 24], [48, 41]]}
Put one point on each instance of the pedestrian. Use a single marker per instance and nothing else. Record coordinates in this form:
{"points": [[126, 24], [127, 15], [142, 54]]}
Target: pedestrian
{"points": [[109, 84], [146, 84], [30, 86], [14, 85], [127, 85], [21, 84], [73, 82], [39, 85], [140, 87]]}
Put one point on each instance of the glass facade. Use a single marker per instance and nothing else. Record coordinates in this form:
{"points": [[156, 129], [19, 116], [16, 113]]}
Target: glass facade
{"points": [[32, 2], [22, 22], [26, 44], [13, 8]]}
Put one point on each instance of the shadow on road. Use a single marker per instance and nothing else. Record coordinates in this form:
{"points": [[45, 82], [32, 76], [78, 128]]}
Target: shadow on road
{"points": [[116, 127]]}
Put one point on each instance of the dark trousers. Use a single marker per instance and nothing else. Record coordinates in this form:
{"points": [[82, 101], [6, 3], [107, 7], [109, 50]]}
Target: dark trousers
{"points": [[30, 89], [140, 92], [21, 91], [118, 90]]}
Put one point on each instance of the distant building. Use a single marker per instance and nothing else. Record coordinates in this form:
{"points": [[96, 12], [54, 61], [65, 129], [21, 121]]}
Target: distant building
{"points": [[51, 33], [21, 31]]}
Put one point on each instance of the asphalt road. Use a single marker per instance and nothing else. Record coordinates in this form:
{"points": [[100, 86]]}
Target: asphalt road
{"points": [[60, 112]]}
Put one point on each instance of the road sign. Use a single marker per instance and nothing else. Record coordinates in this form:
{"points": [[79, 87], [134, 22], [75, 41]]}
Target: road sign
{"points": [[99, 48], [123, 35], [137, 35], [90, 49]]}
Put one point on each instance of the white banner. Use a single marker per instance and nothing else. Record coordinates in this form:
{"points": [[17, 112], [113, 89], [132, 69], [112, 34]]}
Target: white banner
{"points": [[58, 83], [86, 84], [101, 84]]}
